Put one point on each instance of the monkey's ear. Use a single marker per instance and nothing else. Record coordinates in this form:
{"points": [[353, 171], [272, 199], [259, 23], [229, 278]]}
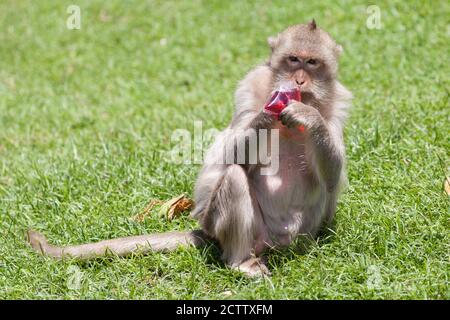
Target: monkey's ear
{"points": [[273, 41], [338, 50]]}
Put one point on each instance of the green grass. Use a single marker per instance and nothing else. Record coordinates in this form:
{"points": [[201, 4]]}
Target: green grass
{"points": [[86, 118]]}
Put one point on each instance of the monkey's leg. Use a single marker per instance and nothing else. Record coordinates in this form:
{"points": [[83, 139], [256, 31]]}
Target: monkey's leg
{"points": [[217, 161], [233, 217]]}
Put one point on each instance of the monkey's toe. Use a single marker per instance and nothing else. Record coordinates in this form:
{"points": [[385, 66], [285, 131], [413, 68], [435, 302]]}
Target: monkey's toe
{"points": [[254, 267]]}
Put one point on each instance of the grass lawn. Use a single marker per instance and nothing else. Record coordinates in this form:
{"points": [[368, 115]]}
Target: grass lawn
{"points": [[86, 118]]}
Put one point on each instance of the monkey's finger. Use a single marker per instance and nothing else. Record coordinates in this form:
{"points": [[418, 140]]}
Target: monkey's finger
{"points": [[287, 122], [290, 120], [285, 117]]}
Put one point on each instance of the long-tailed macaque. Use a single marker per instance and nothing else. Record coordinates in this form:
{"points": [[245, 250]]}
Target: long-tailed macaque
{"points": [[245, 211]]}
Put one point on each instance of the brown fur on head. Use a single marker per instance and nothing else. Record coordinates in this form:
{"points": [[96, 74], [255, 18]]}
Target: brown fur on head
{"points": [[307, 54]]}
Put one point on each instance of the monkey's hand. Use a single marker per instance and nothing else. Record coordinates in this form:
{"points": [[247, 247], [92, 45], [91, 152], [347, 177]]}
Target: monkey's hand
{"points": [[251, 119], [298, 113]]}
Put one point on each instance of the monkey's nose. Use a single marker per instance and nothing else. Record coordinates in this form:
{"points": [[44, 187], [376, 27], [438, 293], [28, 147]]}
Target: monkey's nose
{"points": [[301, 78]]}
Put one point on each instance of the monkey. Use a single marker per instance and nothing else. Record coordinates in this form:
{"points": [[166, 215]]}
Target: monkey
{"points": [[242, 210]]}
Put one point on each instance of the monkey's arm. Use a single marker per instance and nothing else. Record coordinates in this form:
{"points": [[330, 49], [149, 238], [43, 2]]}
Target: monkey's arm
{"points": [[250, 96], [326, 143], [223, 153]]}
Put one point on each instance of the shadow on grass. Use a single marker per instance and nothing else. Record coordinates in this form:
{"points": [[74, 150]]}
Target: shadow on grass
{"points": [[211, 253], [276, 257], [303, 244]]}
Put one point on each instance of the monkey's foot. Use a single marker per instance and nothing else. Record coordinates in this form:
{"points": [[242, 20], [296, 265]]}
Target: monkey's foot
{"points": [[253, 267]]}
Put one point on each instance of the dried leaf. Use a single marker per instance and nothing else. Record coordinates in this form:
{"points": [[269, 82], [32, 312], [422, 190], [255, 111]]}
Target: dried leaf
{"points": [[170, 209], [175, 206], [447, 185], [181, 206], [141, 216]]}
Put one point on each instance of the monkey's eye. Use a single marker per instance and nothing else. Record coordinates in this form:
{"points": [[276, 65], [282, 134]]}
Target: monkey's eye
{"points": [[312, 62], [293, 59]]}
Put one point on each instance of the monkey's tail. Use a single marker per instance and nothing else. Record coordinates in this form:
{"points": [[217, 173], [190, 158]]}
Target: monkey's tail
{"points": [[168, 241]]}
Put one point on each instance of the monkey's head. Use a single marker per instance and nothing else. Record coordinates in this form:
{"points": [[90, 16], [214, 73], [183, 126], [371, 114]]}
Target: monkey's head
{"points": [[307, 55]]}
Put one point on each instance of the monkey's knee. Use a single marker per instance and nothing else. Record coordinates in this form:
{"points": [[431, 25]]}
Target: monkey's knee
{"points": [[233, 216], [236, 181], [230, 195]]}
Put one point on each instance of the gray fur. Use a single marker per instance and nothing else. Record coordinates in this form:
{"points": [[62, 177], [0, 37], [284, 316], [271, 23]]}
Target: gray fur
{"points": [[236, 201]]}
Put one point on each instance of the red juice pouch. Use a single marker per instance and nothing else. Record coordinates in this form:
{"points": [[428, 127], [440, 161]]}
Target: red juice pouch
{"points": [[281, 97]]}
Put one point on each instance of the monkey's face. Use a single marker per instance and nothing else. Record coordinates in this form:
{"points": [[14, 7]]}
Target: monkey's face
{"points": [[308, 56]]}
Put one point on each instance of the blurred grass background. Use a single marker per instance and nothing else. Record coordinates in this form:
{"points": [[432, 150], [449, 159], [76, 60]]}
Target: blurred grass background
{"points": [[86, 118]]}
